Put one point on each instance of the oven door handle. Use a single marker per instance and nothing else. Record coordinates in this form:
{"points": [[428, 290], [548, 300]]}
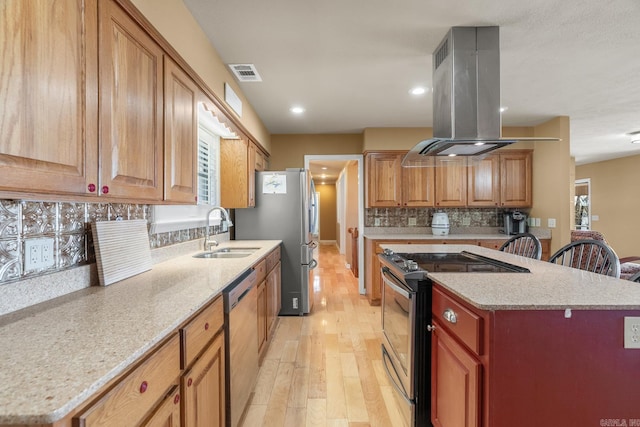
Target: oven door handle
{"points": [[398, 289], [399, 388]]}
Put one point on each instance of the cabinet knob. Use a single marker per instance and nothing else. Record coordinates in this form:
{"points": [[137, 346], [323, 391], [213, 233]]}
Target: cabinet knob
{"points": [[189, 382], [176, 399], [105, 189], [206, 326], [143, 386], [431, 328], [450, 316], [91, 188]]}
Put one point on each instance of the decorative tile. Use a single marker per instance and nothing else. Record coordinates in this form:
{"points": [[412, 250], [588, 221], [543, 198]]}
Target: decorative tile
{"points": [[10, 262], [97, 212], [9, 218], [118, 210], [72, 217], [139, 212], [38, 218], [71, 250]]}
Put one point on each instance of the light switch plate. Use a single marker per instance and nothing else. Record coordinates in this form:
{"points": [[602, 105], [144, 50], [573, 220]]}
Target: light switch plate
{"points": [[551, 223], [631, 332]]}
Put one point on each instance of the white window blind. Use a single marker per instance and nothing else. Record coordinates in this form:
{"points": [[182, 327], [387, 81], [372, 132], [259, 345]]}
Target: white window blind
{"points": [[208, 167]]}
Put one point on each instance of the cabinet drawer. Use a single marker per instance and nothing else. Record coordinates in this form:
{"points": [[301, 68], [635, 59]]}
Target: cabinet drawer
{"points": [[200, 330], [261, 270], [463, 323], [137, 393], [273, 258]]}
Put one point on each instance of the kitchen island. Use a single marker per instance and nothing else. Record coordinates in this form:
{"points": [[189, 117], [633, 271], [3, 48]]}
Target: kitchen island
{"points": [[57, 355], [531, 349]]}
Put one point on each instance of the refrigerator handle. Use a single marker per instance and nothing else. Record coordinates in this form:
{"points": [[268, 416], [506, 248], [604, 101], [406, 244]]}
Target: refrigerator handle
{"points": [[313, 244]]}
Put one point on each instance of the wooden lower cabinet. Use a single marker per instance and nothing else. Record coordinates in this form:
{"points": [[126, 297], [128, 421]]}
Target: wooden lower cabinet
{"points": [[262, 316], [168, 412], [203, 388], [455, 382], [269, 300]]}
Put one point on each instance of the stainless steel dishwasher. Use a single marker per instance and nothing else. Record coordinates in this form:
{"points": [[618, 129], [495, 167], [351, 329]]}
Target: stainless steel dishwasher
{"points": [[241, 341]]}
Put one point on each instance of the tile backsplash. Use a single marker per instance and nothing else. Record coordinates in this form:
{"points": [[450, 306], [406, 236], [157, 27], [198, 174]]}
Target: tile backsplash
{"points": [[458, 217], [69, 225]]}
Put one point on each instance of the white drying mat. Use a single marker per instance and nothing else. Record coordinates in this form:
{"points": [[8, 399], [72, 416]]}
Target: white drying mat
{"points": [[122, 249]]}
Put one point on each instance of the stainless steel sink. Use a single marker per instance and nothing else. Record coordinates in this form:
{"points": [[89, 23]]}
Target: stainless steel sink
{"points": [[234, 252]]}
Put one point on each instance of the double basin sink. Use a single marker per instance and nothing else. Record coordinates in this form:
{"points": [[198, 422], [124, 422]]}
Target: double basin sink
{"points": [[233, 252]]}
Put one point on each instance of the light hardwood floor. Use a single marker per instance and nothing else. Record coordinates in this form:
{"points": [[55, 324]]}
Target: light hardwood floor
{"points": [[325, 369]]}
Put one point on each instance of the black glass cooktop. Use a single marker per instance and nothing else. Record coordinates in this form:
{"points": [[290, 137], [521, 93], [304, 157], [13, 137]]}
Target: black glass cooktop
{"points": [[461, 262]]}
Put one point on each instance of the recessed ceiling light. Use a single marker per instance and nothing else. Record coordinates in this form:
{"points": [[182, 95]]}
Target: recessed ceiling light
{"points": [[324, 168], [296, 110], [418, 90]]}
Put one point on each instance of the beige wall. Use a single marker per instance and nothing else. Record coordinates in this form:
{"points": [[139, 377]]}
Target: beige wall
{"points": [[553, 170], [394, 138], [328, 214], [288, 151], [176, 24], [614, 198]]}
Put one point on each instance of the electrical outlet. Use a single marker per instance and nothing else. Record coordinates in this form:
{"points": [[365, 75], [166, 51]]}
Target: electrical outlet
{"points": [[551, 223], [376, 222], [631, 332], [295, 303], [412, 222], [38, 254], [537, 222]]}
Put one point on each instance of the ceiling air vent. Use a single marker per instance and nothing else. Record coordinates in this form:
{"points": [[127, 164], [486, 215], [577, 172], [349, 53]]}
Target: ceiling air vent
{"points": [[245, 72]]}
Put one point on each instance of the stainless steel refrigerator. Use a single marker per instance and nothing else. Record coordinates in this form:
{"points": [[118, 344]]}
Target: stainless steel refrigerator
{"points": [[286, 209]]}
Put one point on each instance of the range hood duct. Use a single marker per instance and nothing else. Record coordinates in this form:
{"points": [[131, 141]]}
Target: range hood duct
{"points": [[466, 97]]}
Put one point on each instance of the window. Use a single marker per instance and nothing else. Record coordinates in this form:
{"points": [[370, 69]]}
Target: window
{"points": [[208, 166]]}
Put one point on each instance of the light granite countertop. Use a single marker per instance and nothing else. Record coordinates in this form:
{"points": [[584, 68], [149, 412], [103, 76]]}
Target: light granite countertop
{"points": [[56, 354], [547, 287], [459, 233]]}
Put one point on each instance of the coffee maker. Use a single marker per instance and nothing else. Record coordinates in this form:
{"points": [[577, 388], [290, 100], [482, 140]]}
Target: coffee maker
{"points": [[515, 222]]}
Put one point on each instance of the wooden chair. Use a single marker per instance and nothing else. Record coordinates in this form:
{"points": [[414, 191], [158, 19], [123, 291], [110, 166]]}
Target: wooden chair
{"points": [[589, 255], [524, 244]]}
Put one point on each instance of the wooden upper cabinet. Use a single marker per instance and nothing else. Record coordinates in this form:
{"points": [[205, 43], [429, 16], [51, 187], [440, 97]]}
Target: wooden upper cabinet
{"points": [[451, 181], [384, 180], [49, 114], [391, 185], [418, 184], [483, 181], [234, 173], [516, 178], [131, 116], [180, 134]]}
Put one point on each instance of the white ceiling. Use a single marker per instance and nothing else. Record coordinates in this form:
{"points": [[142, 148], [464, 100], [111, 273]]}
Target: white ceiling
{"points": [[351, 63]]}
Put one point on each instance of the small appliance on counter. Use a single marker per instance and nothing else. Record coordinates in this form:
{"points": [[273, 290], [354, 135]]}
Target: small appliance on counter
{"points": [[515, 222], [440, 224]]}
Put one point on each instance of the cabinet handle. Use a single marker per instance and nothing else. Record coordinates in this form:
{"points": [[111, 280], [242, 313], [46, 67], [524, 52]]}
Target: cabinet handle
{"points": [[91, 188], [206, 326], [143, 386], [431, 328], [176, 399], [105, 189], [450, 316], [189, 382]]}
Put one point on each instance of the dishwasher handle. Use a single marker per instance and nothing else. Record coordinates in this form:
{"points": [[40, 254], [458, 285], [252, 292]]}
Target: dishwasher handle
{"points": [[236, 291]]}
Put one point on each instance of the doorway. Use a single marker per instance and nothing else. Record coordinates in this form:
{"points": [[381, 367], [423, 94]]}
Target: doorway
{"points": [[582, 202], [315, 163]]}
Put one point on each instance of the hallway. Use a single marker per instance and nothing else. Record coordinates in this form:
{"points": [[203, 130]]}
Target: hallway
{"points": [[325, 369]]}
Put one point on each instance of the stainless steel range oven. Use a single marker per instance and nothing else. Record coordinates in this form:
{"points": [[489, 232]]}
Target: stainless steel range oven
{"points": [[406, 321]]}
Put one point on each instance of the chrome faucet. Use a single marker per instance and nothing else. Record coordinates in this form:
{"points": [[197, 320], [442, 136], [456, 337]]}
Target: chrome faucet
{"points": [[225, 222]]}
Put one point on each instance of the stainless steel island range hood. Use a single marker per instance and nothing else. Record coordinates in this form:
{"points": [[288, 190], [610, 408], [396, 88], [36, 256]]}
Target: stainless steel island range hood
{"points": [[466, 97]]}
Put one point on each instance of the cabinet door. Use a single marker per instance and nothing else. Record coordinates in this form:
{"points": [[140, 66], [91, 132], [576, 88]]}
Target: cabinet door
{"points": [[418, 185], [273, 297], [384, 178], [203, 388], [180, 134], [451, 181], [516, 178], [131, 99], [483, 181], [234, 186], [262, 316], [48, 82], [168, 413], [455, 383]]}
